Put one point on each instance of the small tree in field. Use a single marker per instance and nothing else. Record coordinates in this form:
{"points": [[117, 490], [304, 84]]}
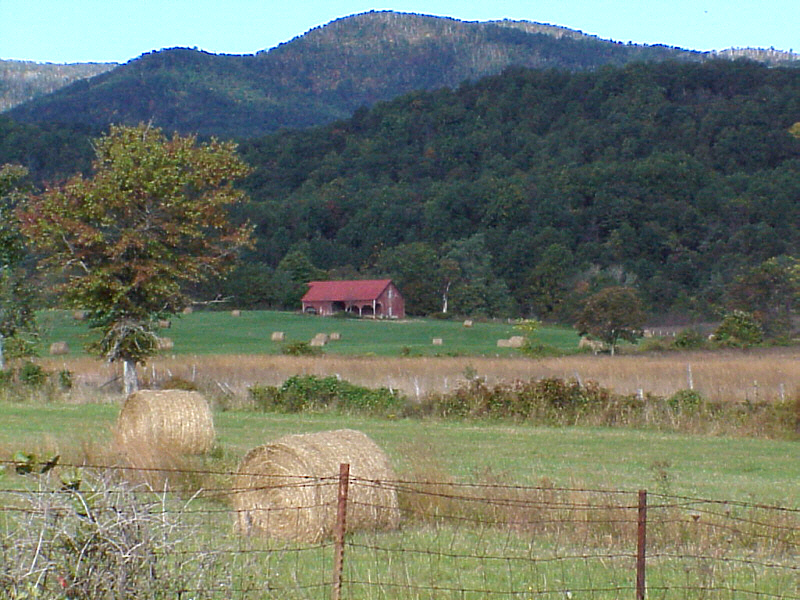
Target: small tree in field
{"points": [[611, 315], [153, 216]]}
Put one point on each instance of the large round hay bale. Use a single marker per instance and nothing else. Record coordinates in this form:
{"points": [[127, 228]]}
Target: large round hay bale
{"points": [[177, 420], [288, 489]]}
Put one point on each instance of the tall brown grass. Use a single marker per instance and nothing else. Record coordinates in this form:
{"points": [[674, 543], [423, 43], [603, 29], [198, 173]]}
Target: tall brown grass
{"points": [[762, 375]]}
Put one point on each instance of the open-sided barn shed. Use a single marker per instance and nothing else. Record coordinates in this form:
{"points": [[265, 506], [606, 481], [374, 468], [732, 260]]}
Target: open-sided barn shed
{"points": [[377, 298]]}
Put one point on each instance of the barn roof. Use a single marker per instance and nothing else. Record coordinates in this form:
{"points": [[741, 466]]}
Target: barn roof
{"points": [[340, 291]]}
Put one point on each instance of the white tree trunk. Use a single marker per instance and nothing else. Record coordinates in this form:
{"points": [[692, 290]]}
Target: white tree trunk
{"points": [[129, 378]]}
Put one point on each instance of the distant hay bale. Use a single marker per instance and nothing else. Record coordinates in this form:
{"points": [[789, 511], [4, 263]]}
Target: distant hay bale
{"points": [[288, 489], [164, 323], [79, 315], [177, 420], [516, 341], [236, 313], [504, 343], [188, 310], [278, 336], [596, 346], [323, 337], [59, 348], [437, 341], [468, 323], [317, 342], [165, 343], [335, 336]]}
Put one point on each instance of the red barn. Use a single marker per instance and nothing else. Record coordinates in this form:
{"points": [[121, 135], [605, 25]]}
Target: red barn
{"points": [[377, 298]]}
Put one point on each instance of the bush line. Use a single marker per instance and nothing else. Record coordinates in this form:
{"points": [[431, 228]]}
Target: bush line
{"points": [[547, 401]]}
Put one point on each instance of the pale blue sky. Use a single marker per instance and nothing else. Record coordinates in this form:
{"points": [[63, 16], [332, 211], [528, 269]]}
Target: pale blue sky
{"points": [[119, 30]]}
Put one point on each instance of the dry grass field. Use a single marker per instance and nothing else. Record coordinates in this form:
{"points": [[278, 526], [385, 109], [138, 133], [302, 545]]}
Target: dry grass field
{"points": [[761, 375]]}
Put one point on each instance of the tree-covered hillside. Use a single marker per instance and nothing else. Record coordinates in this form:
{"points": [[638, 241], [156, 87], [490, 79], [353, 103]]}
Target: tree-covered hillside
{"points": [[321, 76], [21, 80], [543, 185]]}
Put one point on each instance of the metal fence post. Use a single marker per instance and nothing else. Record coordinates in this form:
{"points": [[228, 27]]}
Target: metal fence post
{"points": [[340, 530], [641, 545]]}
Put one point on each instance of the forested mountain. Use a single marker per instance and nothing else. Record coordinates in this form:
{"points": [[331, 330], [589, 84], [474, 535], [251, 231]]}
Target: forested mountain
{"points": [[22, 80], [443, 160], [323, 75], [541, 183]]}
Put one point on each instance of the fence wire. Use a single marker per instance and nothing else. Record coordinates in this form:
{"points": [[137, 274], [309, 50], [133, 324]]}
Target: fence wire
{"points": [[107, 532]]}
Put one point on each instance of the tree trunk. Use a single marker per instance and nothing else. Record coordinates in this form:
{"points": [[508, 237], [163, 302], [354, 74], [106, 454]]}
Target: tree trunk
{"points": [[129, 378], [2, 356]]}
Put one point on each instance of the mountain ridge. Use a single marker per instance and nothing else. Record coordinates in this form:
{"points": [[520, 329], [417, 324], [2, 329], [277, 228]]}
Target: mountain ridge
{"points": [[322, 75]]}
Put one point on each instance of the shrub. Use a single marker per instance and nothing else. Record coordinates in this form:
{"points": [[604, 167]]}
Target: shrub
{"points": [[179, 383], [739, 328], [65, 379], [300, 393], [686, 401], [689, 339], [84, 537], [32, 374], [300, 349]]}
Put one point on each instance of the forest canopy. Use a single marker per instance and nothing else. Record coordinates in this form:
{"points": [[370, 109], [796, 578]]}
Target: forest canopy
{"points": [[670, 177]]}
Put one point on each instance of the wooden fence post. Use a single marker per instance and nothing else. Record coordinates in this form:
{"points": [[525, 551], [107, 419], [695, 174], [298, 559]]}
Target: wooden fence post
{"points": [[641, 545], [340, 530]]}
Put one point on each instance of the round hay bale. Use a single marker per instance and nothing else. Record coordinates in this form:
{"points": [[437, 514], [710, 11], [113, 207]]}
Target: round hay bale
{"points": [[288, 489], [177, 420], [59, 348]]}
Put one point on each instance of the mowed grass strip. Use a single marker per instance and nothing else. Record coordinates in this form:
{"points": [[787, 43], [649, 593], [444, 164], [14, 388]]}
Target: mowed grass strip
{"points": [[219, 332], [766, 471]]}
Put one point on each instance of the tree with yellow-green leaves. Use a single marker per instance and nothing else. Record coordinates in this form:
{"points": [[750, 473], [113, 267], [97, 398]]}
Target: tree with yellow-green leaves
{"points": [[154, 215]]}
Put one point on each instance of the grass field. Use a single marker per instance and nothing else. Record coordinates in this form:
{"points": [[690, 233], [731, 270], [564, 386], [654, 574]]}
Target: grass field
{"points": [[218, 332], [717, 467], [221, 354]]}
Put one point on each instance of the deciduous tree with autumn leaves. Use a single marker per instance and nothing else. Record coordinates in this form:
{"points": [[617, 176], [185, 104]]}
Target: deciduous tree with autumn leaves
{"points": [[154, 215]]}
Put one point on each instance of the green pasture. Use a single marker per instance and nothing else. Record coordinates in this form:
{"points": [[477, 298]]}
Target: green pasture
{"points": [[218, 332], [761, 470], [465, 559]]}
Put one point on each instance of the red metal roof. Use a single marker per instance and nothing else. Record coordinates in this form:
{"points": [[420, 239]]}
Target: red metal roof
{"points": [[345, 291]]}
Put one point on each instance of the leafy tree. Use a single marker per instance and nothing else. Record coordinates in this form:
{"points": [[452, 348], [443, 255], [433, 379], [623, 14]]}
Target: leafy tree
{"points": [[153, 215], [545, 288], [477, 290], [611, 315], [293, 273], [17, 319], [416, 270], [769, 291]]}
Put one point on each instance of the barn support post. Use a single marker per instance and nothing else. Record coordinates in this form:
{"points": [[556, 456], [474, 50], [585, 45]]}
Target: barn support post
{"points": [[340, 530], [641, 546]]}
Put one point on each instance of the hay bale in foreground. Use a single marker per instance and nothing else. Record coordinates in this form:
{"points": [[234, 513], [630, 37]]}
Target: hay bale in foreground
{"points": [[175, 420], [288, 489]]}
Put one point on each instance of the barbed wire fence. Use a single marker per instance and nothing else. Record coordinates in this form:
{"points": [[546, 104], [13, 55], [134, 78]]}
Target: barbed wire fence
{"points": [[110, 532]]}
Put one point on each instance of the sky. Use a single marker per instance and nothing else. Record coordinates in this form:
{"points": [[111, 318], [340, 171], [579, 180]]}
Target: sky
{"points": [[68, 31]]}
